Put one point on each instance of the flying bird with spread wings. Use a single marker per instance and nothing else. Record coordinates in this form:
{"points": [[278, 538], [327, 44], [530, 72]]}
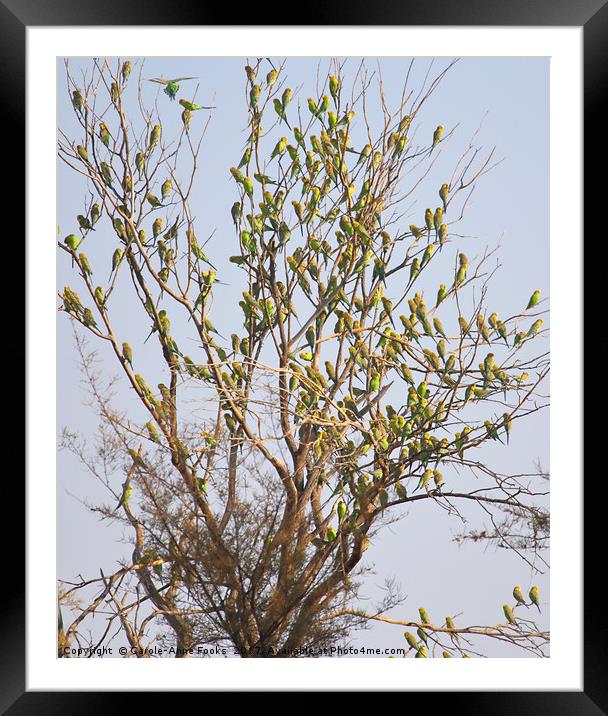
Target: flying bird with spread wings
{"points": [[171, 86]]}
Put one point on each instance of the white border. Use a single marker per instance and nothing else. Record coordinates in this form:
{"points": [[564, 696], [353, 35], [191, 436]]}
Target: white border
{"points": [[564, 668]]}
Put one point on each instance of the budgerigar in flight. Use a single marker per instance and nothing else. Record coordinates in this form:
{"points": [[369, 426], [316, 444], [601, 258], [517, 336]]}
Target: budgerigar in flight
{"points": [[171, 86], [191, 107]]}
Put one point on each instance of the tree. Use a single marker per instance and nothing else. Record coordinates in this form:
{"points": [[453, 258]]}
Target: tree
{"points": [[267, 460]]}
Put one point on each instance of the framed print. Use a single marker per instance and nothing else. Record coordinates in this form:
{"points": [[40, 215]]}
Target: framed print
{"points": [[304, 324]]}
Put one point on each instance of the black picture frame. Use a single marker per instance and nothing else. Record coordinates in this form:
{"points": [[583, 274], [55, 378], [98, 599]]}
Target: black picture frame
{"points": [[17, 15]]}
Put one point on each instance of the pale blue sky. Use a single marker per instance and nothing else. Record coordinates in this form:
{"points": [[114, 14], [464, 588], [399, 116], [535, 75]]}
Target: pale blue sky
{"points": [[510, 205]]}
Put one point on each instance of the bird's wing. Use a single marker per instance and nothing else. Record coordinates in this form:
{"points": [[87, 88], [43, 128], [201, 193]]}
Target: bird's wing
{"points": [[159, 80], [181, 79]]}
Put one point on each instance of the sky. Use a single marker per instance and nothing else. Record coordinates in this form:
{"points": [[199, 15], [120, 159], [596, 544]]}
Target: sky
{"points": [[507, 100]]}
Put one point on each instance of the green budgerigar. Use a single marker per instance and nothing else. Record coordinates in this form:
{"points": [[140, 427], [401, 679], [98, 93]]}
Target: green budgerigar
{"points": [[508, 612], [125, 70], [443, 195], [191, 106], [271, 77], [279, 147], [438, 218], [89, 319], [245, 158], [535, 597], [520, 336], [140, 162], [77, 101], [127, 353], [334, 86], [104, 133], [411, 640], [491, 430], [152, 432], [323, 105], [501, 329], [84, 223], [166, 187], [438, 478], [85, 265], [254, 96], [534, 299], [100, 296], [95, 213], [280, 110], [153, 200], [518, 595], [461, 273], [438, 326], [157, 226], [127, 491], [437, 134], [106, 173], [535, 328], [71, 241], [286, 96], [171, 86], [154, 137], [235, 212], [507, 422], [116, 257], [441, 294]]}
